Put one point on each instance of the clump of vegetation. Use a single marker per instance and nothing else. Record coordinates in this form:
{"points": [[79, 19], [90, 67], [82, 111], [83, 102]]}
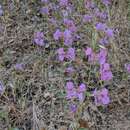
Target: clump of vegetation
{"points": [[65, 65]]}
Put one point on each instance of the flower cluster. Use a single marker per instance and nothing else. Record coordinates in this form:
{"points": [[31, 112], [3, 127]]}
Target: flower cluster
{"points": [[101, 57], [73, 92], [66, 53], [89, 4], [105, 71], [92, 57], [70, 54], [68, 38], [66, 35], [39, 38], [99, 19], [70, 25], [73, 108], [127, 67], [87, 18], [44, 10], [101, 97], [107, 33]]}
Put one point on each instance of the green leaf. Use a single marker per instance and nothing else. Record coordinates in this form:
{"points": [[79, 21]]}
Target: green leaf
{"points": [[3, 114], [88, 94]]}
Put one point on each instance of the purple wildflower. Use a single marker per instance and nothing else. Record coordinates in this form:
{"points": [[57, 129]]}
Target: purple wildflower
{"points": [[61, 54], [90, 54], [73, 108], [106, 75], [101, 26], [104, 15], [127, 67], [104, 41], [106, 66], [101, 97], [1, 87], [80, 96], [19, 66], [97, 12], [70, 25], [71, 91], [77, 37], [88, 51], [53, 21], [63, 2], [71, 94], [80, 92], [106, 2], [57, 35], [82, 88], [1, 11], [71, 54], [44, 10], [69, 85], [45, 1], [102, 56], [39, 38], [105, 72], [109, 32], [89, 4], [68, 39], [87, 18], [92, 58]]}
